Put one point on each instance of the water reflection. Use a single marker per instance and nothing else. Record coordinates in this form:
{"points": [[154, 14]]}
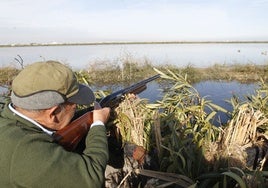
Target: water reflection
{"points": [[218, 92]]}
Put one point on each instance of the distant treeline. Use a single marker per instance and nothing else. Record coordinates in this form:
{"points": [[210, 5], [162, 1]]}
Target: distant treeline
{"points": [[128, 43]]}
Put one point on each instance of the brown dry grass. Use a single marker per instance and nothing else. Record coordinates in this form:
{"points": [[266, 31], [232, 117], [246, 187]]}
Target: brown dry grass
{"points": [[240, 140], [7, 74]]}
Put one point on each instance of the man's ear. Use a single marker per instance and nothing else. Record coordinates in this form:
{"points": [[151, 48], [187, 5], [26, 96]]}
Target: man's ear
{"points": [[51, 114]]}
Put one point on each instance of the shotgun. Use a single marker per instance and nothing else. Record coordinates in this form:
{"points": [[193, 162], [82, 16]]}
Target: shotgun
{"points": [[70, 136]]}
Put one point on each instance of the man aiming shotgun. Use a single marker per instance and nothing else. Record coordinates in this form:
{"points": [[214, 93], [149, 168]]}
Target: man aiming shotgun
{"points": [[70, 136], [43, 101]]}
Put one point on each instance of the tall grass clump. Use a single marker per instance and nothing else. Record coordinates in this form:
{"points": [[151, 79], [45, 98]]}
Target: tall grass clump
{"points": [[188, 149], [173, 130], [133, 121], [233, 155], [185, 123]]}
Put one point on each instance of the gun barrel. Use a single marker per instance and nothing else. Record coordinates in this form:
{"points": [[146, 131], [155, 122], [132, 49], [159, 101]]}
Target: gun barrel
{"points": [[127, 90]]}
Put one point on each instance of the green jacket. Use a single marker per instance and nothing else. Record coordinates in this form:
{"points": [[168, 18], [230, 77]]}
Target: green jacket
{"points": [[30, 158]]}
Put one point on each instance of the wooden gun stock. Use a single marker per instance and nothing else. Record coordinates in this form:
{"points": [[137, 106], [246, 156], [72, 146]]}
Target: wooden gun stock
{"points": [[70, 136]]}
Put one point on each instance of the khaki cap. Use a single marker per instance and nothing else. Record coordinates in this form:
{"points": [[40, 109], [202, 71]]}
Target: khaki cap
{"points": [[42, 85]]}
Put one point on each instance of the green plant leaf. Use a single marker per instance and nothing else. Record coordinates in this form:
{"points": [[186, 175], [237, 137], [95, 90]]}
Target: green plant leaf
{"points": [[237, 178]]}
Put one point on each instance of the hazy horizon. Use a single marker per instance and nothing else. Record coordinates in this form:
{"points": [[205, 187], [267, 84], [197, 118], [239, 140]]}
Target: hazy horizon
{"points": [[133, 42]]}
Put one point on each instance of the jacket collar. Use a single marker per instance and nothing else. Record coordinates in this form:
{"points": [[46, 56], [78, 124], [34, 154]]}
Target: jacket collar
{"points": [[29, 120]]}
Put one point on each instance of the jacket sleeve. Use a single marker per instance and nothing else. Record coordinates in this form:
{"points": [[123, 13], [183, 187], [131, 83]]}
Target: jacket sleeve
{"points": [[39, 163]]}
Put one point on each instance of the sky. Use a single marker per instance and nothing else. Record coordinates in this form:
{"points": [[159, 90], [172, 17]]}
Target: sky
{"points": [[39, 21]]}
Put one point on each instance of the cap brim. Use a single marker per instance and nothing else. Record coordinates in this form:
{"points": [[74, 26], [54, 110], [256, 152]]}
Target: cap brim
{"points": [[85, 96]]}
